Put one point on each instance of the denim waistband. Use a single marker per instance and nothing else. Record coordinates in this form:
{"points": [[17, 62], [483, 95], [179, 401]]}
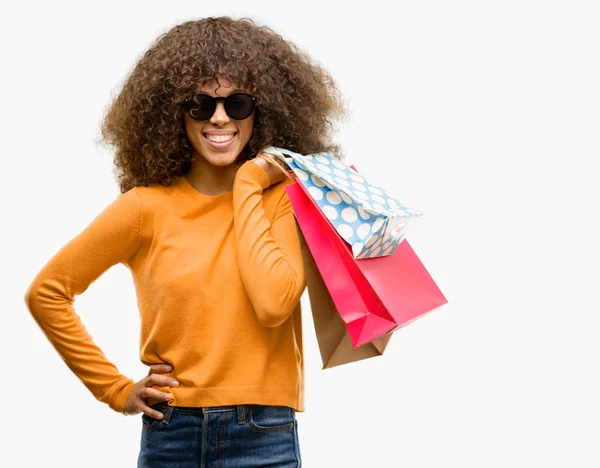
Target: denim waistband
{"points": [[167, 410]]}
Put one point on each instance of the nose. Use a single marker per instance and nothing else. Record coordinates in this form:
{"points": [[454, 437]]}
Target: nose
{"points": [[219, 117]]}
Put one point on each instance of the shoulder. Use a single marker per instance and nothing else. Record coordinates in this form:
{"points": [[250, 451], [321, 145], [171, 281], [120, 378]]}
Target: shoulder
{"points": [[153, 201], [155, 193]]}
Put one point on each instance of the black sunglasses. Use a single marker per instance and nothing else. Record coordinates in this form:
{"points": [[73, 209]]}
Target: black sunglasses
{"points": [[202, 106]]}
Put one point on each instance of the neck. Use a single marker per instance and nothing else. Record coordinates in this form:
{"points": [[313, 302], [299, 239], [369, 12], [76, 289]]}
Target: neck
{"points": [[209, 179]]}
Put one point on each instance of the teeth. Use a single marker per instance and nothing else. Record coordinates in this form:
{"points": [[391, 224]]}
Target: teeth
{"points": [[219, 138]]}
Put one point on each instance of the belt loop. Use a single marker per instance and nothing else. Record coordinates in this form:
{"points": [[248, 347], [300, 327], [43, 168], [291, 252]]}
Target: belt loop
{"points": [[241, 413], [167, 412]]}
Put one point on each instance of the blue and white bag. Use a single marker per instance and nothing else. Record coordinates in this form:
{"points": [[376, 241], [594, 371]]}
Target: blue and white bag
{"points": [[365, 215]]}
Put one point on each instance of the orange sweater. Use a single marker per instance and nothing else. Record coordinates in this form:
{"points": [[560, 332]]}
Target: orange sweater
{"points": [[218, 282]]}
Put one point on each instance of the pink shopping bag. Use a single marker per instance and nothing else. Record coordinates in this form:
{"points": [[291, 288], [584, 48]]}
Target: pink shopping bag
{"points": [[373, 296]]}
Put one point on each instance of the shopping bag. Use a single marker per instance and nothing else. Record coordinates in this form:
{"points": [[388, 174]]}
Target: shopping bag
{"points": [[334, 342], [365, 215], [373, 296]]}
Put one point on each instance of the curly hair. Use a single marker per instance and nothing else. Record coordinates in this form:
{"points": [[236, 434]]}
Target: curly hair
{"points": [[297, 99]]}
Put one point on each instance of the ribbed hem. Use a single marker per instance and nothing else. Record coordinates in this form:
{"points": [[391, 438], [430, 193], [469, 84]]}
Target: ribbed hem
{"points": [[226, 396]]}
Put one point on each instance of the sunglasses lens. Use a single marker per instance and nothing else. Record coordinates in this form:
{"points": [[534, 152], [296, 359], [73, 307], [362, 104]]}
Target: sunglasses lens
{"points": [[201, 107], [239, 106]]}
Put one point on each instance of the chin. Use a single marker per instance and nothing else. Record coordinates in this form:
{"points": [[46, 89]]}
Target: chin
{"points": [[221, 160]]}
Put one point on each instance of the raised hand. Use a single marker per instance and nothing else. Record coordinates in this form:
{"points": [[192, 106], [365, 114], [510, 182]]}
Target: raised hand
{"points": [[272, 166]]}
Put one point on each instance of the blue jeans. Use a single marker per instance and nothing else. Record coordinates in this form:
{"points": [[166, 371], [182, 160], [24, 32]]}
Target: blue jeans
{"points": [[242, 436]]}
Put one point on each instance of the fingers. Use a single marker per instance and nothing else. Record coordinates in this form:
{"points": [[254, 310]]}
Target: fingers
{"points": [[155, 377], [142, 390], [276, 162], [275, 172], [159, 368], [162, 380], [149, 392], [150, 412], [272, 160]]}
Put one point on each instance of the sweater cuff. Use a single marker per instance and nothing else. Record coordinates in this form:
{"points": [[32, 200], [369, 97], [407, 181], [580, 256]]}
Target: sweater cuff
{"points": [[252, 171], [119, 397]]}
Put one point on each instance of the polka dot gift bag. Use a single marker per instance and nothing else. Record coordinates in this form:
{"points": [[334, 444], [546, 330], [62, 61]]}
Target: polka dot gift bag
{"points": [[357, 249], [365, 215]]}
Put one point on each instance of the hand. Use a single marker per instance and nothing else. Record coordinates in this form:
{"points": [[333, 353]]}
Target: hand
{"points": [[275, 172], [136, 401]]}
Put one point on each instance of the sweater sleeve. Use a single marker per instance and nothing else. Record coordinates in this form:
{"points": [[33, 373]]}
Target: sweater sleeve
{"points": [[268, 253], [112, 237]]}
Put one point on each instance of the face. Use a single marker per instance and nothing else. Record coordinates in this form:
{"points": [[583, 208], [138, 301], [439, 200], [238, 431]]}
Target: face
{"points": [[199, 132]]}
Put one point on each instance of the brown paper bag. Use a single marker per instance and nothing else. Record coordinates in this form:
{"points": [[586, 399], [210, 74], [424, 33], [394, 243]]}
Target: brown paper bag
{"points": [[334, 342]]}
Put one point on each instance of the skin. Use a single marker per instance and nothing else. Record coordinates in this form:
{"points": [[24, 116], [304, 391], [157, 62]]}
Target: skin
{"points": [[212, 173], [213, 170]]}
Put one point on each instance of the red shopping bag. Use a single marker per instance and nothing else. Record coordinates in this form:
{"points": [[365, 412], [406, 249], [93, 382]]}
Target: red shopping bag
{"points": [[332, 337], [373, 296]]}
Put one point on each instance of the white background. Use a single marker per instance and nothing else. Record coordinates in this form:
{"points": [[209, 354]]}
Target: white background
{"points": [[483, 115]]}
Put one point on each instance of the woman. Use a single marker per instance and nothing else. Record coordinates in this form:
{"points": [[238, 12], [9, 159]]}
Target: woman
{"points": [[206, 228]]}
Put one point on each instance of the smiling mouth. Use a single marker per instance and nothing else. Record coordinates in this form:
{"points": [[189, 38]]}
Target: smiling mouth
{"points": [[219, 138]]}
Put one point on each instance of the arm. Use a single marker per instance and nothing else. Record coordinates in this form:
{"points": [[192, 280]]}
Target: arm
{"points": [[112, 237], [269, 255]]}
